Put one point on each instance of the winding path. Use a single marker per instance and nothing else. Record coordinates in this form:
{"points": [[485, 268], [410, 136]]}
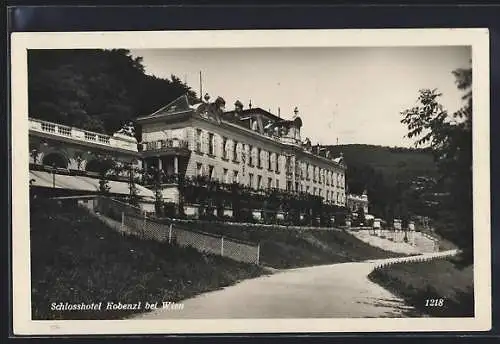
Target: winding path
{"points": [[328, 291]]}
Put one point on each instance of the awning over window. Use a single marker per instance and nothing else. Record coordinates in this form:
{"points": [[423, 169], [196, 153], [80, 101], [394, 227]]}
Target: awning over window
{"points": [[81, 183]]}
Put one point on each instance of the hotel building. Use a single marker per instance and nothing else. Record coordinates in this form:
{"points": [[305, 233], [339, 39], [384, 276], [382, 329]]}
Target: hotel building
{"points": [[249, 146]]}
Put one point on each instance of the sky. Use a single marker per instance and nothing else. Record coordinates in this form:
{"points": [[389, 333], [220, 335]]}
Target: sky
{"points": [[344, 95]]}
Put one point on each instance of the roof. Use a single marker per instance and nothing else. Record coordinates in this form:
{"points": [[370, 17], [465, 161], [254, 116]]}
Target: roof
{"points": [[251, 111], [81, 183], [181, 104]]}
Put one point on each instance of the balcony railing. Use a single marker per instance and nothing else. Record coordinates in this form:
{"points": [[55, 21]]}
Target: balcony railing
{"points": [[165, 145], [77, 134]]}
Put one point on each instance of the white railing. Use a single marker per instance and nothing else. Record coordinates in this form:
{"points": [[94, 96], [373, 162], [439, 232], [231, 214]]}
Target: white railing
{"points": [[414, 259], [80, 134]]}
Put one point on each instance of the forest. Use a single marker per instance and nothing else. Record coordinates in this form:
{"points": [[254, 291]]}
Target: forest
{"points": [[392, 177], [97, 90]]}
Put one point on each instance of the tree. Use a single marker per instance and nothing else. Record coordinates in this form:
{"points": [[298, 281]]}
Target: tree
{"points": [[449, 136], [97, 90], [105, 166], [361, 219]]}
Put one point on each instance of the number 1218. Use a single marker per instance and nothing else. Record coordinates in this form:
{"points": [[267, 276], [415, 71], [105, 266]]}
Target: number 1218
{"points": [[434, 302]]}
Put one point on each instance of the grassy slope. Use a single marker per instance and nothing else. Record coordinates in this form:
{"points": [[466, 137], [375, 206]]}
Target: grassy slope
{"points": [[281, 248], [416, 282], [77, 259]]}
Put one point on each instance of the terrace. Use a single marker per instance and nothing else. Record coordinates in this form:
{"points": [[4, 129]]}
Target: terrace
{"points": [[79, 135]]}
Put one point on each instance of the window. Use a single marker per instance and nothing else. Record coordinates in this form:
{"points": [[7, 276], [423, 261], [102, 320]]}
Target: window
{"points": [[307, 189], [277, 161], [251, 159], [277, 183], [288, 163], [308, 172], [211, 142], [199, 169], [334, 177], [226, 176], [259, 158], [244, 155], [235, 151], [270, 161], [269, 183], [314, 191], [250, 180], [235, 177], [198, 140], [259, 182], [211, 172], [224, 147]]}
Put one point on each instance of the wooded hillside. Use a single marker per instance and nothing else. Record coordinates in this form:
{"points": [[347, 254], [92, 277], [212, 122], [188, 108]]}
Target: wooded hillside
{"points": [[389, 175], [98, 90]]}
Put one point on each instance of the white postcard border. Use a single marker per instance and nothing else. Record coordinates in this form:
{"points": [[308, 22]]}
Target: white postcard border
{"points": [[20, 42]]}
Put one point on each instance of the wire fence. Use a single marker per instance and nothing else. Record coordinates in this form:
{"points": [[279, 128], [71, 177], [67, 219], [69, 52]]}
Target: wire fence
{"points": [[135, 222], [204, 242], [114, 208]]}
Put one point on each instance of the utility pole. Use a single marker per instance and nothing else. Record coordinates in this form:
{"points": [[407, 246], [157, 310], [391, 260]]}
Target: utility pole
{"points": [[201, 88]]}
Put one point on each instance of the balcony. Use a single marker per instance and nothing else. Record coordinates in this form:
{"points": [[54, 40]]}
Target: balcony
{"points": [[80, 135], [173, 146]]}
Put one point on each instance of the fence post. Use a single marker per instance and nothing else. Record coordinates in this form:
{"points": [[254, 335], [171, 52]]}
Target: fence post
{"points": [[222, 246], [144, 225], [123, 222], [258, 253], [170, 234]]}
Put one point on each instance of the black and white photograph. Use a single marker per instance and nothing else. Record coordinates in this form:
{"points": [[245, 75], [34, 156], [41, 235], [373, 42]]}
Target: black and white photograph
{"points": [[301, 181]]}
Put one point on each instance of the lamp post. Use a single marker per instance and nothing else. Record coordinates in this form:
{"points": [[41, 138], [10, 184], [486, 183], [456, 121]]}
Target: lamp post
{"points": [[131, 180]]}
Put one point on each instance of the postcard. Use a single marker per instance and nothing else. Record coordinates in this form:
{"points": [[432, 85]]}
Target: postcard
{"points": [[254, 181]]}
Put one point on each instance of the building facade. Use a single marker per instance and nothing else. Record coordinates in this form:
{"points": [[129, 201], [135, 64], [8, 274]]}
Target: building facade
{"points": [[251, 147], [356, 202], [67, 160]]}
